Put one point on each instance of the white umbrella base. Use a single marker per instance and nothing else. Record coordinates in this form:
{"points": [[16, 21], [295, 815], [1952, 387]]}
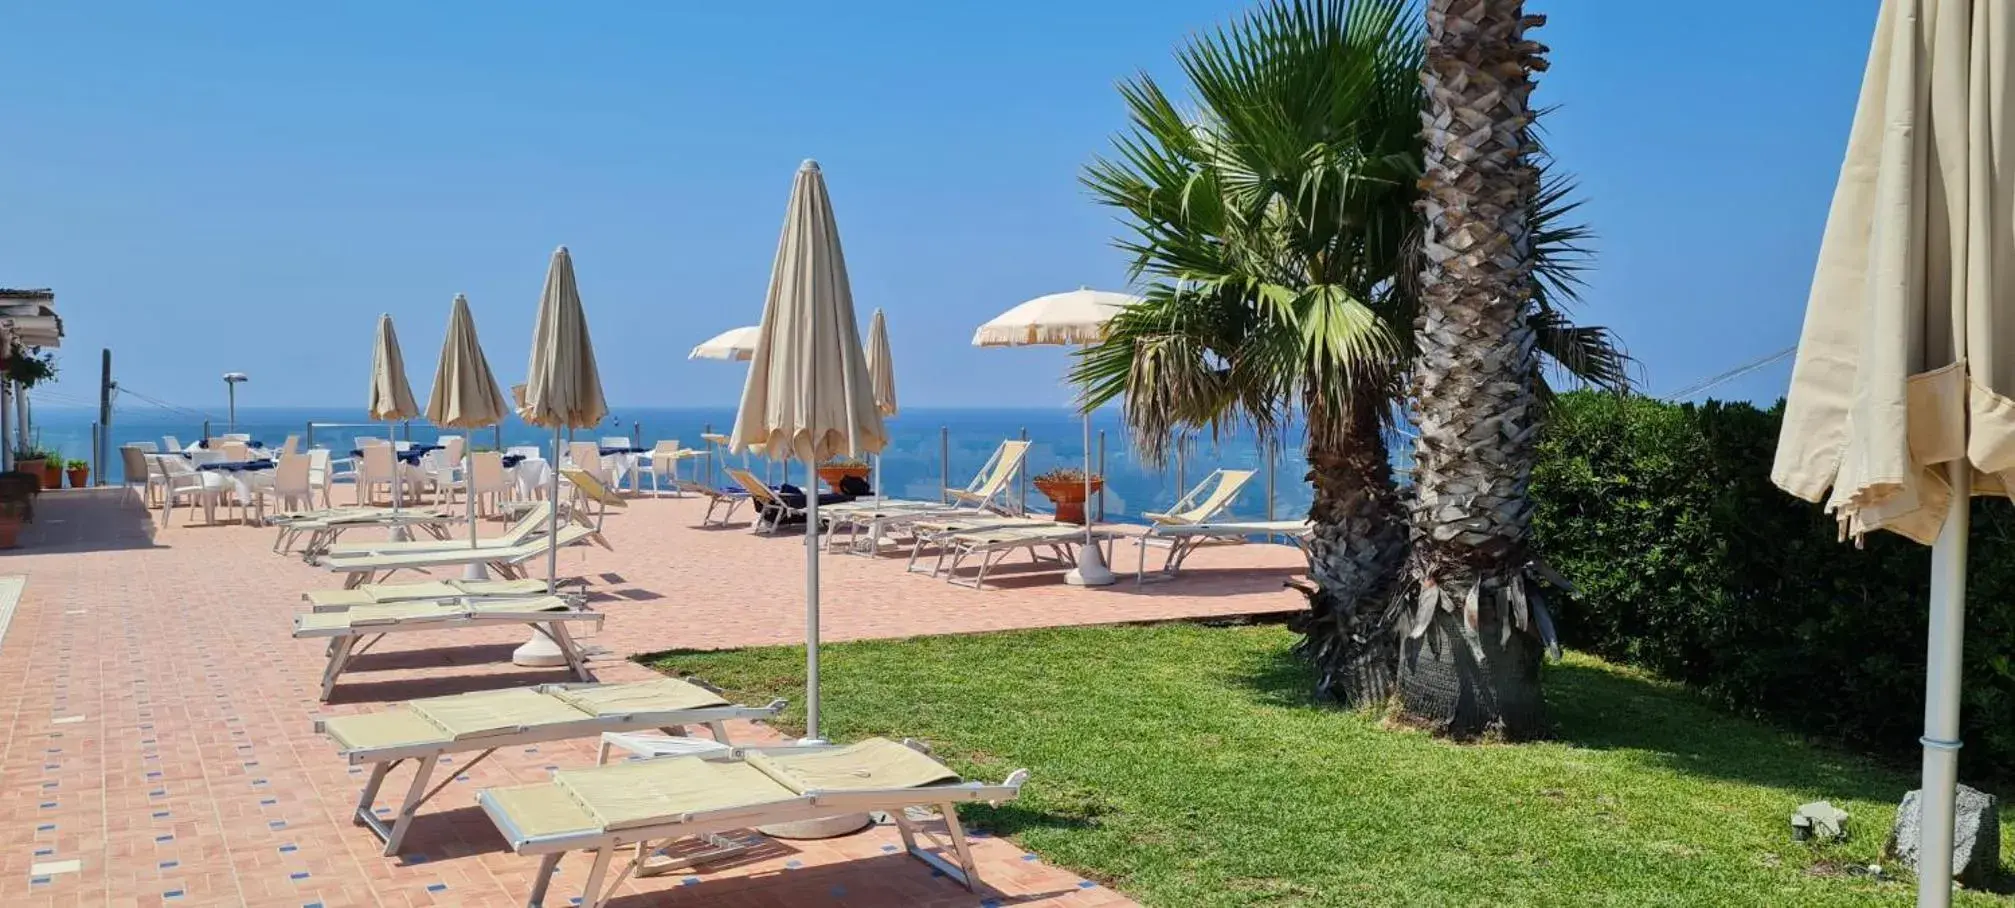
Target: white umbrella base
{"points": [[822, 828], [479, 572], [539, 652], [1091, 569]]}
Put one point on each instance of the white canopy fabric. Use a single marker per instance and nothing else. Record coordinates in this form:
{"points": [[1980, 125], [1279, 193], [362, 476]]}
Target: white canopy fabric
{"points": [[1901, 392], [1907, 359], [732, 344], [391, 395], [465, 394], [563, 389], [808, 395], [1074, 317], [882, 365]]}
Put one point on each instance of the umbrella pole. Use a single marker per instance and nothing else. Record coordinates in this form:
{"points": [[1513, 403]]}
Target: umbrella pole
{"points": [[540, 650], [1091, 569], [1941, 695], [399, 533], [476, 570], [812, 601]]}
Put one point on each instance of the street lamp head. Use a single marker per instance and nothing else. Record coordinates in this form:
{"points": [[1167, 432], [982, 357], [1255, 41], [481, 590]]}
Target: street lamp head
{"points": [[234, 377]]}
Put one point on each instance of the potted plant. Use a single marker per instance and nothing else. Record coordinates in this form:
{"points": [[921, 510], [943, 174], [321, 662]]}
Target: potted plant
{"points": [[80, 473], [35, 462], [28, 368], [1065, 487], [12, 514], [839, 468], [52, 471]]}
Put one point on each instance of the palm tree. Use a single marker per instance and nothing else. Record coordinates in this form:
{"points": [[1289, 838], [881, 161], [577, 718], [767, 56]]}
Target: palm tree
{"points": [[1473, 615], [1276, 232]]}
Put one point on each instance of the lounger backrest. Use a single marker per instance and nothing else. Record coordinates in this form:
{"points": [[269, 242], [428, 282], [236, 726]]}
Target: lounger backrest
{"points": [[528, 525], [1223, 486], [999, 469], [755, 487], [592, 487], [664, 447]]}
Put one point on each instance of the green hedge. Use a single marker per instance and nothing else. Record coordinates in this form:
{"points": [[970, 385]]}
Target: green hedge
{"points": [[1690, 563]]}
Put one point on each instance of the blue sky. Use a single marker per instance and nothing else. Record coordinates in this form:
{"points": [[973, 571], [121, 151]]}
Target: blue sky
{"points": [[240, 186]]}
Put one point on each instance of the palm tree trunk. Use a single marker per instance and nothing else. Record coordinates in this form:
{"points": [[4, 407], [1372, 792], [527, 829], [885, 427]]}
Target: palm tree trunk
{"points": [[1469, 663], [1354, 557]]}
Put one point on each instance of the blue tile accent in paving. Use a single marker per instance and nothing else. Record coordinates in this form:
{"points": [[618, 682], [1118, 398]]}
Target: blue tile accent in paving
{"points": [[170, 865], [46, 827], [154, 775], [44, 852], [52, 766], [689, 881], [258, 783], [48, 805], [838, 892], [1028, 857], [888, 849], [437, 887], [160, 814], [312, 905], [38, 881], [172, 894], [793, 865], [277, 824], [1086, 884], [158, 793], [159, 839], [990, 903], [289, 848], [298, 875], [50, 784]]}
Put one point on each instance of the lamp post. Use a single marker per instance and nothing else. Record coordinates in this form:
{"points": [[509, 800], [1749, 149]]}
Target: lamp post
{"points": [[231, 382]]}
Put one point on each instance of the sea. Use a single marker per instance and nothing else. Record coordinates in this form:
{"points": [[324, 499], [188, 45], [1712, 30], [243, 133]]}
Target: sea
{"points": [[927, 446]]}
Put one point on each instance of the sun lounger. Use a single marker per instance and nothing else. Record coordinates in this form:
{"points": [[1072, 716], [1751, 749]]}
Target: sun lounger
{"points": [[772, 509], [426, 730], [443, 590], [549, 615], [506, 561], [1184, 538], [590, 490], [927, 530], [323, 528], [727, 501], [1205, 501], [994, 544], [989, 487], [875, 517], [606, 809], [531, 523]]}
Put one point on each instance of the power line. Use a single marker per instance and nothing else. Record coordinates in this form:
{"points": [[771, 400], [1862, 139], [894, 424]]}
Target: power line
{"points": [[121, 390], [1730, 375]]}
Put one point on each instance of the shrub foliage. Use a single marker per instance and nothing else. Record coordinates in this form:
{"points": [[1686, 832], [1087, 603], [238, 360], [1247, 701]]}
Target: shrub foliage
{"points": [[1687, 561]]}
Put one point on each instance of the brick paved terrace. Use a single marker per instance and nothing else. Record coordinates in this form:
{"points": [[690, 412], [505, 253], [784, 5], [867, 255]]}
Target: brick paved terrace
{"points": [[159, 746]]}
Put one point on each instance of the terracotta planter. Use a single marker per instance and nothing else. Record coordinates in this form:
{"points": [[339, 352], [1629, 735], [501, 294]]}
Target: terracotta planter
{"points": [[80, 477], [52, 474], [1069, 497], [36, 467], [10, 531], [833, 475]]}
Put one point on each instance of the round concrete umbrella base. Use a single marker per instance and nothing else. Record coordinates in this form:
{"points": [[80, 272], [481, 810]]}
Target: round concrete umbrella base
{"points": [[539, 652], [479, 572], [1090, 570], [821, 828]]}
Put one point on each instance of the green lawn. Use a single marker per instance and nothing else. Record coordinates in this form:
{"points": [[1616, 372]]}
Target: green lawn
{"points": [[1185, 766]]}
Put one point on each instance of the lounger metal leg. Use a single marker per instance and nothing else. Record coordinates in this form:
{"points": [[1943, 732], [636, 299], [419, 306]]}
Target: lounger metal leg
{"points": [[557, 630], [367, 645], [963, 871], [592, 895], [339, 656], [364, 817], [548, 865], [415, 796]]}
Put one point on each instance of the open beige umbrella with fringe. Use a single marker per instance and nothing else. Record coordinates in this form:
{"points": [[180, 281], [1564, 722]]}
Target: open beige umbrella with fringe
{"points": [[734, 344], [465, 396], [391, 400], [1902, 401], [1074, 317], [563, 390], [808, 395]]}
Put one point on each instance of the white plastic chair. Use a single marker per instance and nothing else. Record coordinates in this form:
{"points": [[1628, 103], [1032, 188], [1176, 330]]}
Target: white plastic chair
{"points": [[587, 455], [292, 446], [488, 482], [139, 472], [293, 483], [146, 447], [665, 457], [171, 443], [614, 441], [237, 451], [182, 481], [440, 468], [374, 470], [321, 475], [236, 436]]}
